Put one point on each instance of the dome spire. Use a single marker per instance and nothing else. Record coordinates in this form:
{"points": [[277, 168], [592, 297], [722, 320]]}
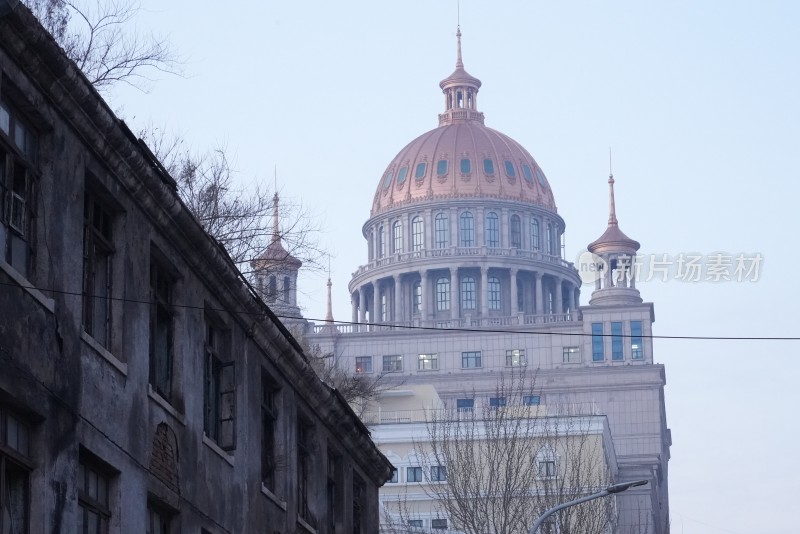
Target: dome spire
{"points": [[276, 233], [461, 92], [612, 209], [459, 61]]}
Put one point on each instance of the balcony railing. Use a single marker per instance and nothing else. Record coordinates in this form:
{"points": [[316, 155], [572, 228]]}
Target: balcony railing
{"points": [[386, 417], [462, 322]]}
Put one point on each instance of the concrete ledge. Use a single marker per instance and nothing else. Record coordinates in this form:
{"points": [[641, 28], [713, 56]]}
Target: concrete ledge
{"points": [[107, 356], [49, 304], [211, 444], [274, 498], [161, 401]]}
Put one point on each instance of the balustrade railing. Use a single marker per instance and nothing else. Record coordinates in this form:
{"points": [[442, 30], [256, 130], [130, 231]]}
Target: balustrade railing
{"points": [[462, 322]]}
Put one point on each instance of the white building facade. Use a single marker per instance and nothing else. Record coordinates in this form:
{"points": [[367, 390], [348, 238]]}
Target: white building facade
{"points": [[465, 279]]}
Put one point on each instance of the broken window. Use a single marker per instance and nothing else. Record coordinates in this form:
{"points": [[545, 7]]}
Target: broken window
{"points": [[18, 174], [220, 388], [269, 418], [97, 252], [161, 328], [159, 518], [94, 512], [14, 474], [305, 432]]}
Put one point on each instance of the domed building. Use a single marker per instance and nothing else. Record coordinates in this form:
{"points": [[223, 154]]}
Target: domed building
{"points": [[465, 281]]}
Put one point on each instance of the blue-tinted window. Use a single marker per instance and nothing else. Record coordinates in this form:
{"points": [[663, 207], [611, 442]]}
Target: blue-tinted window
{"points": [[416, 298], [467, 230], [387, 179], [420, 172], [441, 229], [516, 232], [397, 238], [531, 400], [527, 173], [492, 230], [441, 167], [401, 176], [510, 169], [465, 405], [442, 294], [540, 176], [494, 293], [496, 402], [470, 360], [417, 234], [488, 166], [598, 354], [616, 341], [534, 234], [413, 474], [637, 349], [468, 293], [466, 166]]}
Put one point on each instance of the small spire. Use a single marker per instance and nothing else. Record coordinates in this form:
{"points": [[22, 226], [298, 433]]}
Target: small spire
{"points": [[329, 314], [612, 210], [459, 62], [276, 232]]}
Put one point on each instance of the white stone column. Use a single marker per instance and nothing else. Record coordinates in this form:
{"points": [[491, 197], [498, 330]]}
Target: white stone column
{"points": [[514, 302], [454, 305], [423, 289], [376, 302], [539, 296], [559, 298], [354, 309], [454, 222], [362, 304], [576, 293], [398, 298], [484, 292]]}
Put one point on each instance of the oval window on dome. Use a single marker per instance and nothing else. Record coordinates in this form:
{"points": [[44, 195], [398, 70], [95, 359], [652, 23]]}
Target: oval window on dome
{"points": [[540, 176], [510, 169], [466, 166], [527, 173], [387, 179], [488, 166], [401, 176], [441, 167], [419, 174]]}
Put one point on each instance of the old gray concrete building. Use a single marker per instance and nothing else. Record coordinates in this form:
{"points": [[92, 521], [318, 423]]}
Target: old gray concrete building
{"points": [[143, 385]]}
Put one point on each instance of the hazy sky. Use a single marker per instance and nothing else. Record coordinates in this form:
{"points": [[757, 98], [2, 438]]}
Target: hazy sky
{"points": [[700, 102]]}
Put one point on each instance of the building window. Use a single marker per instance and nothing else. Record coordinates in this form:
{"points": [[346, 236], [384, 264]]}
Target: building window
{"points": [[494, 293], [358, 504], [441, 227], [18, 177], [466, 166], [363, 364], [161, 329], [397, 238], [392, 364], [14, 476], [515, 358], [492, 230], [417, 234], [159, 518], [384, 308], [428, 362], [465, 405], [394, 478], [470, 360], [94, 513], [416, 297], [520, 296], [332, 491], [510, 169], [572, 355], [287, 289], [616, 341], [439, 524], [413, 474], [488, 166], [419, 173], [438, 473], [272, 289], [401, 176], [547, 468], [637, 348], [468, 293], [381, 243], [467, 229], [305, 431], [269, 430], [516, 232], [415, 523], [551, 246], [531, 400], [441, 167], [497, 402], [97, 252], [534, 234], [442, 294], [598, 353], [220, 388]]}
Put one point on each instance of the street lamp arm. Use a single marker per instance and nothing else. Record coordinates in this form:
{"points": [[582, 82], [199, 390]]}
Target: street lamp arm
{"points": [[561, 506]]}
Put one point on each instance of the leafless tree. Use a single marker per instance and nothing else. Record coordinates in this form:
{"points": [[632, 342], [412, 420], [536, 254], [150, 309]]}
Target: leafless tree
{"points": [[99, 35], [507, 463]]}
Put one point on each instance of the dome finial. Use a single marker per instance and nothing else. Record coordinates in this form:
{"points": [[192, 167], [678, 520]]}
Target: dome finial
{"points": [[459, 62], [612, 209], [276, 232]]}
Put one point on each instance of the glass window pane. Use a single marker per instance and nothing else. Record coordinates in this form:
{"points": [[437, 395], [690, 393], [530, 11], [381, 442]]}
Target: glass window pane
{"points": [[419, 174], [488, 166], [466, 167], [441, 167]]}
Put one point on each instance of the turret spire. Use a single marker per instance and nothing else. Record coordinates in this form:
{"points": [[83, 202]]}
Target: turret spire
{"points": [[276, 231], [459, 61], [329, 314], [612, 210]]}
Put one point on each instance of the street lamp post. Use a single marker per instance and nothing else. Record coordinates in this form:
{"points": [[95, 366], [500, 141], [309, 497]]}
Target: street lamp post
{"points": [[612, 489]]}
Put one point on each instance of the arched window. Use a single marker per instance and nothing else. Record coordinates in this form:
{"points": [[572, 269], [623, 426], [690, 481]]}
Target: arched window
{"points": [[442, 230], [381, 243], [534, 234], [549, 236], [516, 232], [467, 229], [417, 234], [287, 287], [468, 293], [397, 238], [416, 298], [492, 230], [384, 308], [546, 461], [520, 296], [272, 289], [494, 293], [550, 302], [442, 294]]}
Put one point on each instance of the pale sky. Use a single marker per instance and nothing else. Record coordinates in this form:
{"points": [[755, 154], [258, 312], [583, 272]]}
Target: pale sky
{"points": [[699, 102]]}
